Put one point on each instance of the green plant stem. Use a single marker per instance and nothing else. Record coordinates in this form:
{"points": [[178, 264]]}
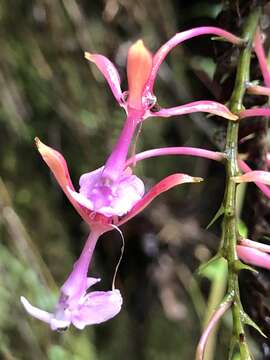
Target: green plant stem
{"points": [[229, 225]]}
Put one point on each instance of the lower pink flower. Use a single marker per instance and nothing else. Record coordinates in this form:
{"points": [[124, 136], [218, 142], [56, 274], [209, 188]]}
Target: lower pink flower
{"points": [[76, 304]]}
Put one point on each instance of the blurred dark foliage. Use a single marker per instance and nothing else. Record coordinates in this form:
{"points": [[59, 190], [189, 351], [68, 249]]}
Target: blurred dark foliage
{"points": [[47, 89]]}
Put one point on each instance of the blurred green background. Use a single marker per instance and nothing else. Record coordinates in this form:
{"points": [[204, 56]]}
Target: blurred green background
{"points": [[48, 89]]}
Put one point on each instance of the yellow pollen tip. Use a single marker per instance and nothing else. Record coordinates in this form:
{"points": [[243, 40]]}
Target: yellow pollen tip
{"points": [[138, 45]]}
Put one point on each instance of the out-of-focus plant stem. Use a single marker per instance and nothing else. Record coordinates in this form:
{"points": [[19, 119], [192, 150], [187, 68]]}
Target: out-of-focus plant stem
{"points": [[230, 225], [218, 288]]}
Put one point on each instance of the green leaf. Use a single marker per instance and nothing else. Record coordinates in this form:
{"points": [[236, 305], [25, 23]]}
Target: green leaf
{"points": [[202, 270]]}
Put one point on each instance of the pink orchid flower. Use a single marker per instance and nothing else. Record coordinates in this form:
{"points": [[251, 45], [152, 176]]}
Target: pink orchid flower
{"points": [[142, 68], [139, 101], [90, 191], [76, 304]]}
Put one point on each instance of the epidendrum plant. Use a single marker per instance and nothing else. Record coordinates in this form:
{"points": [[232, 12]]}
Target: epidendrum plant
{"points": [[111, 195]]}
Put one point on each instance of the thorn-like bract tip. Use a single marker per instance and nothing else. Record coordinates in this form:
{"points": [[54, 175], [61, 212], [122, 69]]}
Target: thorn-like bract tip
{"points": [[88, 56], [197, 179], [37, 141]]}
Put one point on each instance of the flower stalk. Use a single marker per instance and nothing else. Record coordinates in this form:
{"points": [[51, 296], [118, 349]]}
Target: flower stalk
{"points": [[230, 224]]}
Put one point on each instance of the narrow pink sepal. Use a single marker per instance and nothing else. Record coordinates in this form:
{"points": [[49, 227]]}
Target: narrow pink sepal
{"points": [[259, 50], [254, 176], [254, 112], [187, 151], [264, 188], [255, 245], [181, 37], [110, 73], [35, 312], [258, 90], [58, 166], [253, 256], [209, 328], [211, 107], [164, 185]]}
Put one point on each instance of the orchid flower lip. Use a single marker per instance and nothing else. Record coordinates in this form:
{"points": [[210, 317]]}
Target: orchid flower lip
{"points": [[94, 308], [117, 199]]}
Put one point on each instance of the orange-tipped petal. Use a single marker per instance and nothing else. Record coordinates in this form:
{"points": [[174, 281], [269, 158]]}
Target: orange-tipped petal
{"points": [[164, 185], [56, 163], [139, 65], [208, 106], [58, 166]]}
